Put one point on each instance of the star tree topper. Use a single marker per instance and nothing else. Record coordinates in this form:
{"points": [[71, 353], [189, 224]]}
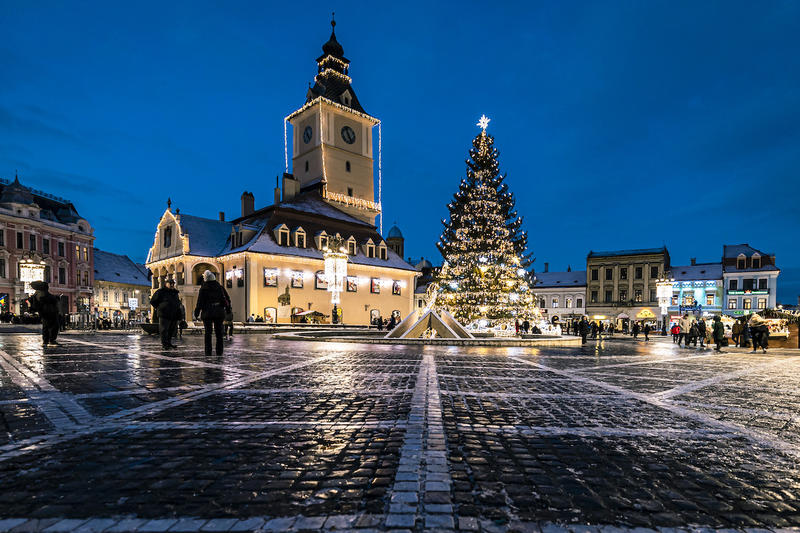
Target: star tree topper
{"points": [[484, 122]]}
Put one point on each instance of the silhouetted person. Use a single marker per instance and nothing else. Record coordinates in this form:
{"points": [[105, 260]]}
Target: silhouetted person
{"points": [[583, 329], [46, 305], [167, 302], [212, 304]]}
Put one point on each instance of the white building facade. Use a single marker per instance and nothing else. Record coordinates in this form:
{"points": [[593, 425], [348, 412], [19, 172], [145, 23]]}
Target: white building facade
{"points": [[750, 280], [561, 294]]}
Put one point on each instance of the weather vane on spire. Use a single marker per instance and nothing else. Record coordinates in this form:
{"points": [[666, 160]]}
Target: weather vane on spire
{"points": [[484, 122]]}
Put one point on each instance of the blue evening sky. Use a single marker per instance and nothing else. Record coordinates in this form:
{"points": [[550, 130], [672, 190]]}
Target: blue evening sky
{"points": [[621, 124]]}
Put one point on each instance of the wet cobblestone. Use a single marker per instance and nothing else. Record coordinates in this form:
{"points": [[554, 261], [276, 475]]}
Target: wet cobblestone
{"points": [[108, 432]]}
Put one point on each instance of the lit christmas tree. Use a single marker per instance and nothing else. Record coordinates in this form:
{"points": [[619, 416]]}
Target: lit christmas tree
{"points": [[485, 274]]}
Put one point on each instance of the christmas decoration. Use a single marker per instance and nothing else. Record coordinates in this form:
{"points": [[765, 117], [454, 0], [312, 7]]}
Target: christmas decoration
{"points": [[484, 277]]}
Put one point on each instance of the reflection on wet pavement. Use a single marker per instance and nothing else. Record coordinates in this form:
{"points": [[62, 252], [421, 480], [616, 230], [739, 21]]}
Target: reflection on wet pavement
{"points": [[109, 430]]}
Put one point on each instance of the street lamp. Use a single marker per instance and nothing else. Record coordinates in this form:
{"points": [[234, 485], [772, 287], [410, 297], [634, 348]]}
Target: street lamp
{"points": [[664, 293]]}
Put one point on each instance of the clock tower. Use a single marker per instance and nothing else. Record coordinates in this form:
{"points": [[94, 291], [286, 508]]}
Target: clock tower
{"points": [[332, 142]]}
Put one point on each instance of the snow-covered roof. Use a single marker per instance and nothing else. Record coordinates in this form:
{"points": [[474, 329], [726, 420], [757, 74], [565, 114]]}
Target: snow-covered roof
{"points": [[118, 268], [575, 278], [207, 237], [702, 271], [313, 204], [733, 251], [639, 251]]}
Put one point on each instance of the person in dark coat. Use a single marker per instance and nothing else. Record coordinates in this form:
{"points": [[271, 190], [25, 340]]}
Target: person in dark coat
{"points": [[635, 330], [718, 331], [583, 329], [701, 332], [212, 304], [46, 305], [646, 332], [228, 325], [167, 303]]}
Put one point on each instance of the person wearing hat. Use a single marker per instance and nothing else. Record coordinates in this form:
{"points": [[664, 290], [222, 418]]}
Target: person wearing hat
{"points": [[167, 303], [46, 305], [213, 303]]}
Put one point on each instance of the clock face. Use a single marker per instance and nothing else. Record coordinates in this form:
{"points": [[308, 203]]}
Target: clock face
{"points": [[307, 134], [348, 135]]}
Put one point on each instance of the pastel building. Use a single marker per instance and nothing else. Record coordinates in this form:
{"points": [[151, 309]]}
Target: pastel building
{"points": [[696, 289], [750, 278], [561, 294]]}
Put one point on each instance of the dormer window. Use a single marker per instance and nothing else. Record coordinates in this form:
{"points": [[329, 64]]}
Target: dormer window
{"points": [[351, 246], [322, 240], [282, 235], [741, 262], [346, 98], [300, 238], [382, 252], [369, 248], [756, 261]]}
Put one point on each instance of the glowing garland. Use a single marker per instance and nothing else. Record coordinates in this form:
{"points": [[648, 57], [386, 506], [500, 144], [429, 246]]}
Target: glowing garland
{"points": [[380, 177], [285, 148]]}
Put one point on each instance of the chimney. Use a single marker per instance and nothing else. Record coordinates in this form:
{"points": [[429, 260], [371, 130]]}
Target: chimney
{"points": [[694, 261], [277, 198], [248, 203], [546, 267], [222, 216], [290, 187]]}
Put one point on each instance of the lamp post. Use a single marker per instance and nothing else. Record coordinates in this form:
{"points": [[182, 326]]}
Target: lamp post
{"points": [[664, 293], [335, 257]]}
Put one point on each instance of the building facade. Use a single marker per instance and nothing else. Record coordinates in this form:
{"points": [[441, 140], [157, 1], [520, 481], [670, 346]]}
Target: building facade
{"points": [[121, 287], [696, 289], [621, 285], [271, 259], [750, 280], [43, 237], [561, 295]]}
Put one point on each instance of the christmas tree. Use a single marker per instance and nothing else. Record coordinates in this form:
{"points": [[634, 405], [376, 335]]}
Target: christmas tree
{"points": [[484, 274]]}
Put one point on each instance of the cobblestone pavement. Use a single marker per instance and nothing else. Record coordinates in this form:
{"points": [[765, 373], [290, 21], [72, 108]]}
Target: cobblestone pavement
{"points": [[109, 433]]}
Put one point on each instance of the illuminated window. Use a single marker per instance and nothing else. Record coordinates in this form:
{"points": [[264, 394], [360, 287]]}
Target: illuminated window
{"points": [[762, 303], [674, 299], [623, 273], [396, 288], [709, 299], [688, 301], [747, 303], [352, 284], [568, 302], [623, 295], [85, 278], [375, 286], [732, 303], [555, 302], [85, 254], [594, 297], [637, 295]]}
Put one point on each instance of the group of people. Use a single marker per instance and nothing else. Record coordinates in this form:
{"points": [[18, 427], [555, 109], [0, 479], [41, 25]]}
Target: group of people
{"points": [[525, 327], [383, 323], [690, 330], [743, 331], [213, 308]]}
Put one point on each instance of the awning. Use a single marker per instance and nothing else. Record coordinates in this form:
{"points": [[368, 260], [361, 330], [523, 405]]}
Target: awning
{"points": [[622, 315]]}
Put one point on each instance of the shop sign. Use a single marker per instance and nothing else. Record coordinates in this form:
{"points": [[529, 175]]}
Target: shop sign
{"points": [[133, 303], [749, 292], [645, 313]]}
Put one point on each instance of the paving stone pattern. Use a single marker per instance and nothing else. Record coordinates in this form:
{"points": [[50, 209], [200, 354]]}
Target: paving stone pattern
{"points": [[110, 433]]}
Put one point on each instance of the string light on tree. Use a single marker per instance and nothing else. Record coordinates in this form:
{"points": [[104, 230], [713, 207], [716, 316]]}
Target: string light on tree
{"points": [[484, 276]]}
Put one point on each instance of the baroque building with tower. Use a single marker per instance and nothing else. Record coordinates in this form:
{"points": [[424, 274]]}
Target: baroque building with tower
{"points": [[271, 258]]}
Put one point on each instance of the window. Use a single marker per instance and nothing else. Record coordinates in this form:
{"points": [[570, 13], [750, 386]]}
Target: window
{"points": [[238, 273], [568, 302], [555, 302], [78, 278], [349, 191], [762, 303], [609, 274], [370, 250], [756, 261], [46, 273], [652, 295], [297, 279], [19, 240], [594, 297], [637, 295], [283, 237], [623, 273], [105, 296], [623, 295], [323, 242], [542, 303], [2, 267], [579, 302], [270, 277], [653, 272], [167, 237], [762, 283], [77, 253], [733, 284], [32, 242], [637, 273], [741, 263], [688, 300], [61, 249], [347, 166], [352, 284], [732, 303], [2, 237], [375, 285], [300, 239], [351, 247], [320, 282], [382, 252], [62, 275], [674, 299], [608, 297], [86, 254], [46, 246], [306, 166], [748, 284], [709, 299], [747, 303], [595, 274]]}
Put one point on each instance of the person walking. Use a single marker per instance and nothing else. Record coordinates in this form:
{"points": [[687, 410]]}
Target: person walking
{"points": [[526, 326], [583, 329], [212, 304], [736, 332], [759, 331], [685, 324], [647, 332], [46, 304], [676, 330], [167, 303], [635, 330], [228, 325], [701, 332], [718, 331], [516, 327]]}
